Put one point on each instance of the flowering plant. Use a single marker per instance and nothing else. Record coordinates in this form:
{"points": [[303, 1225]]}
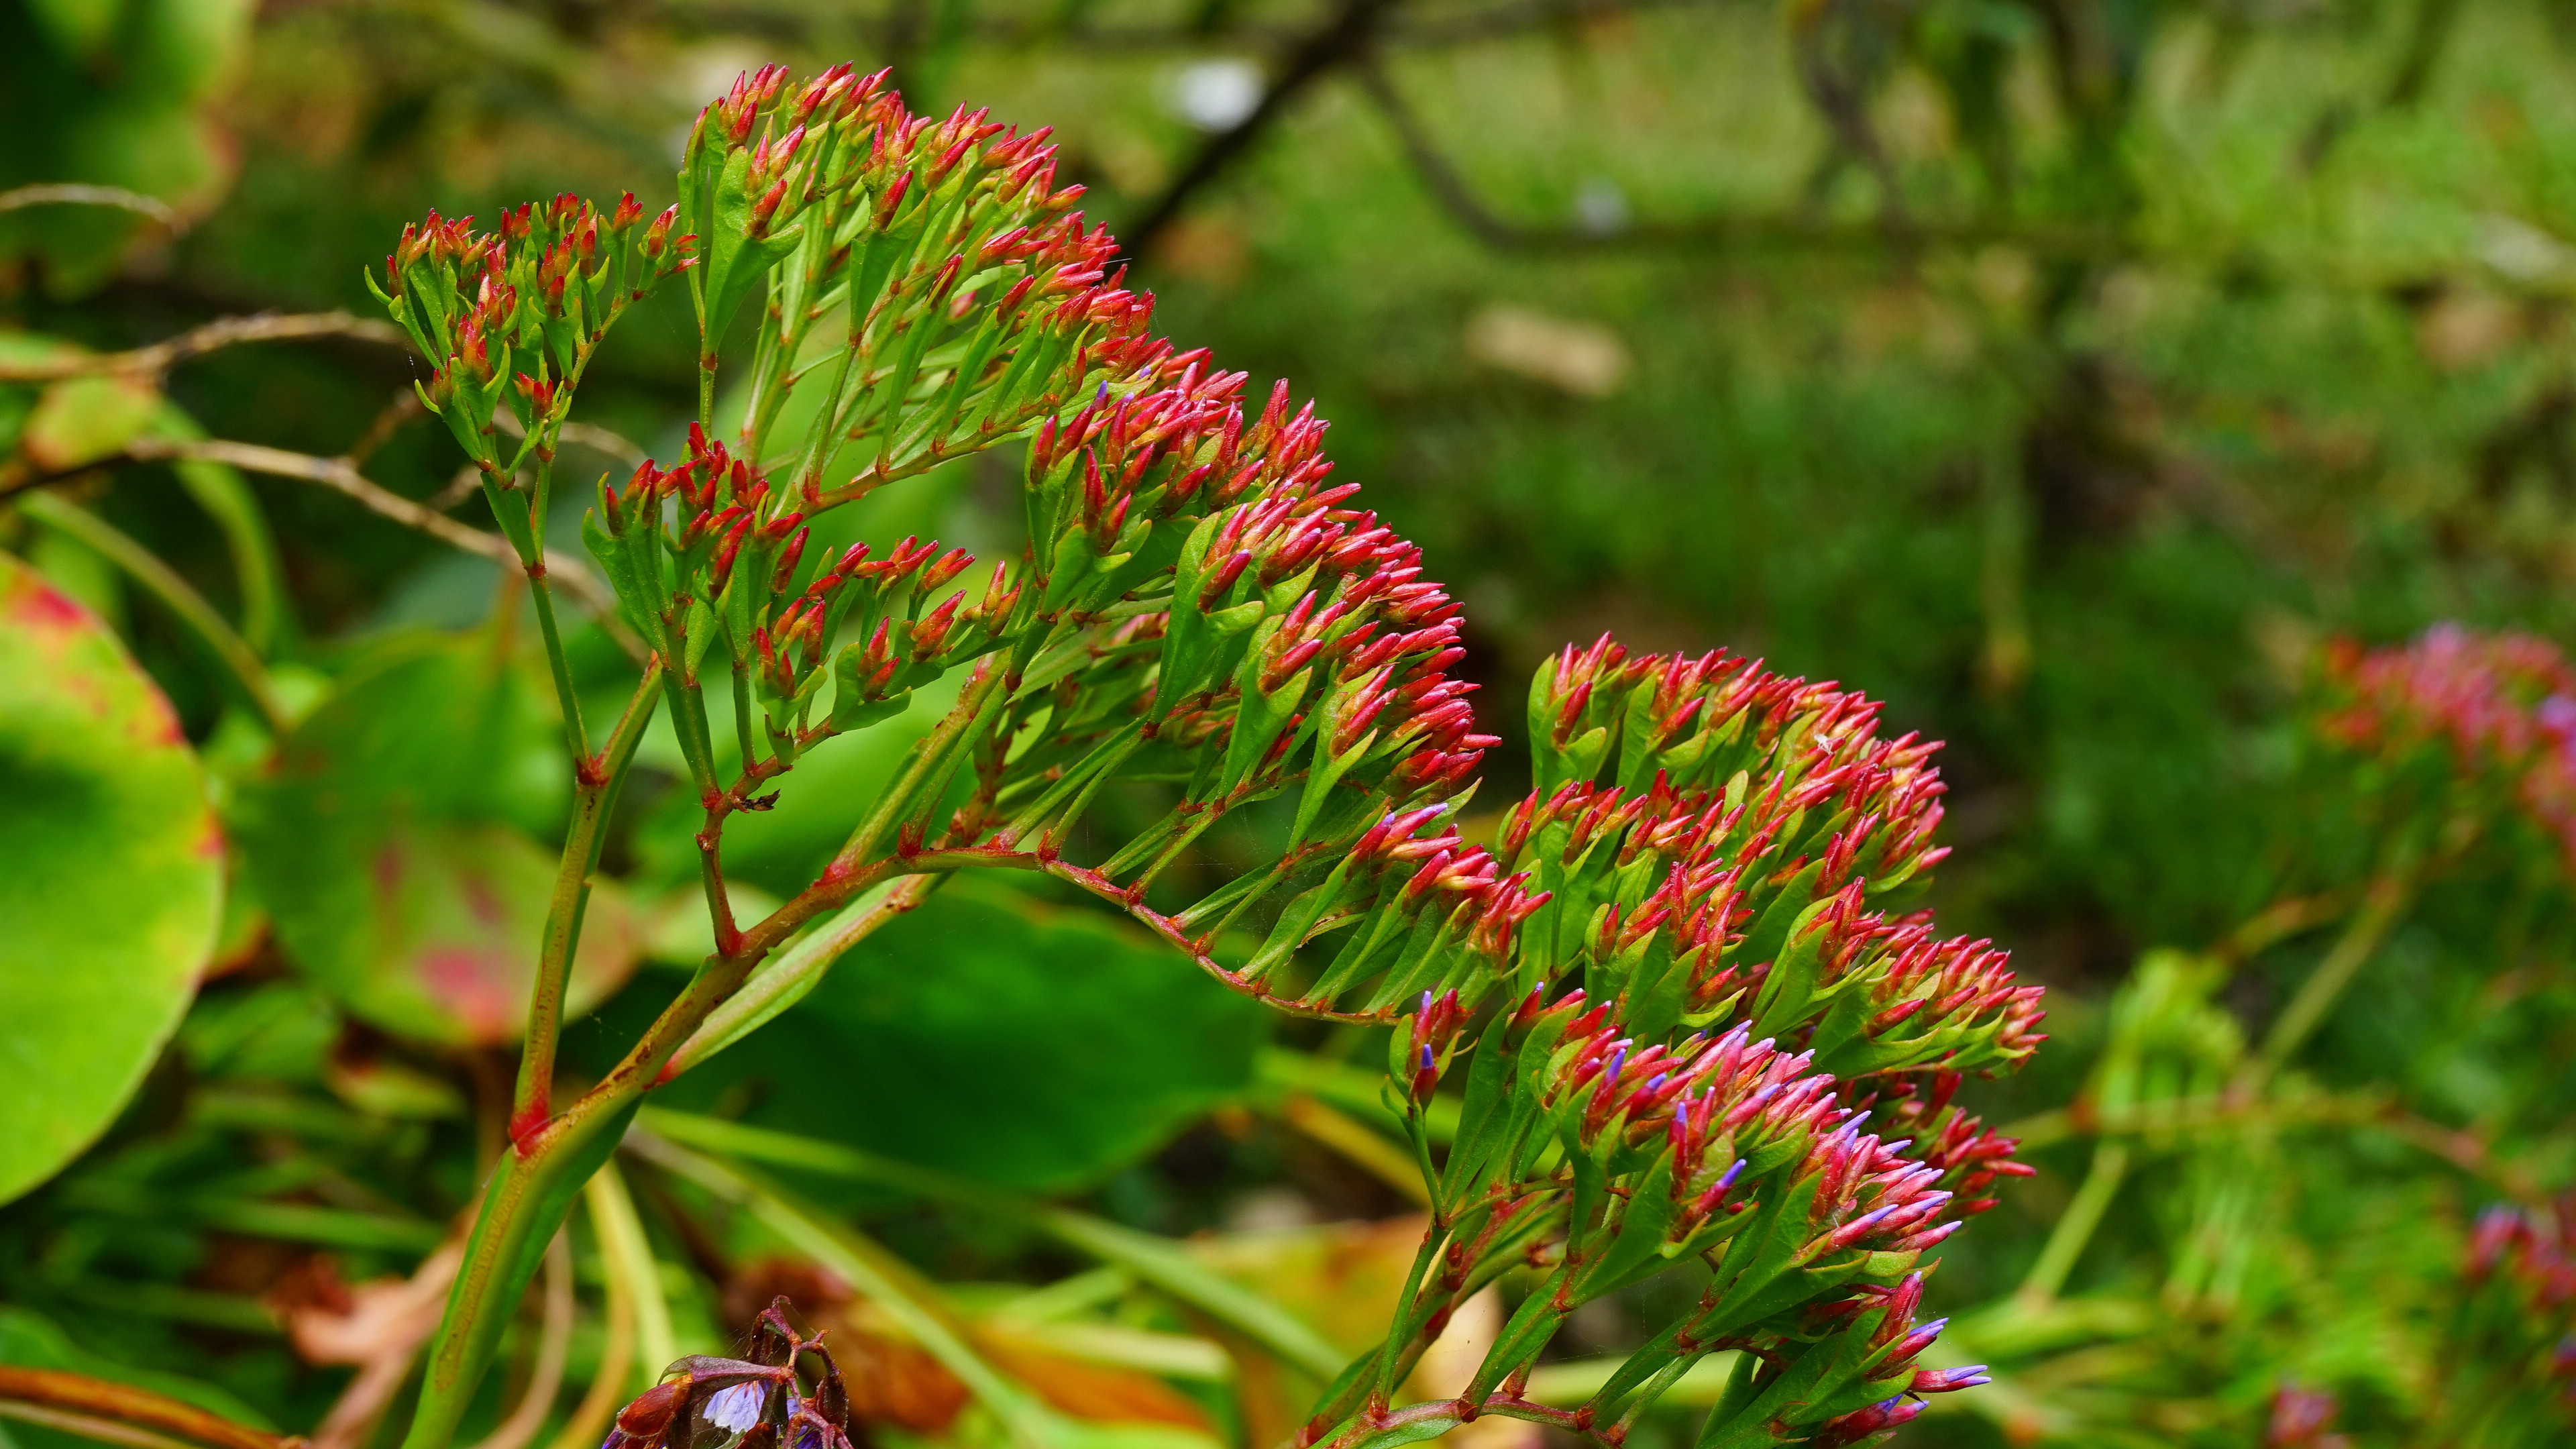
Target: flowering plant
{"points": [[1702, 980]]}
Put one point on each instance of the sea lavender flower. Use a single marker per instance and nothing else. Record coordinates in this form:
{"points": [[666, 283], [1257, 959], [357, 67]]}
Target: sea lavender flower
{"points": [[737, 1408], [1753, 897]]}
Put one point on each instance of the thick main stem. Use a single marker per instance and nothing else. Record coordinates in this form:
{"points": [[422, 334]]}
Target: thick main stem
{"points": [[533, 1187]]}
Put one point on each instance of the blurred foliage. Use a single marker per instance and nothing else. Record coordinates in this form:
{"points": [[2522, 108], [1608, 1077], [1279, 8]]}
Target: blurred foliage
{"points": [[2064, 372]]}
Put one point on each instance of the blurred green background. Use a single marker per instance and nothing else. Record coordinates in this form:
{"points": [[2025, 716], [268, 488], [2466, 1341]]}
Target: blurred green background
{"points": [[2061, 372]]}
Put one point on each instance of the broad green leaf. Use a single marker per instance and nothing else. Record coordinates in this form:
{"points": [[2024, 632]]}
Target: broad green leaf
{"points": [[114, 886], [997, 1038], [393, 846], [432, 933]]}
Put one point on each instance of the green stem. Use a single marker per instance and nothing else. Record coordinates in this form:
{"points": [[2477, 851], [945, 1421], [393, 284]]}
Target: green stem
{"points": [[931, 761], [576, 735], [595, 785], [628, 1257], [785, 981], [530, 1194], [533, 1187], [185, 603], [742, 729], [689, 719], [2381, 905], [2075, 1227]]}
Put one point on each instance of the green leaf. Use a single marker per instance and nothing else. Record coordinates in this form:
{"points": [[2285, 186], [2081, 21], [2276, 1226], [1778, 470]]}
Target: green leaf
{"points": [[996, 1038], [431, 932], [30, 1340], [114, 889], [393, 846], [83, 419], [1167, 1265]]}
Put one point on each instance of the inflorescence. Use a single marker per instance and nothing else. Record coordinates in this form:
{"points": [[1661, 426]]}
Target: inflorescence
{"points": [[1698, 1013]]}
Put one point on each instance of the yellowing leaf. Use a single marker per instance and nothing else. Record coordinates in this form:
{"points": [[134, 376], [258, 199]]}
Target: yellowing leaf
{"points": [[83, 419]]}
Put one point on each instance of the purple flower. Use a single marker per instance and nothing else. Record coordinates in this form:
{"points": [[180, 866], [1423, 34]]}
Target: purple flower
{"points": [[737, 1408]]}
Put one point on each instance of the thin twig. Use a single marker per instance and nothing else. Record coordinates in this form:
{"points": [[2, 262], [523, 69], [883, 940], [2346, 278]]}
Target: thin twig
{"points": [[214, 336], [388, 420], [1724, 233], [883, 31], [74, 193], [2382, 903], [601, 440], [1344, 37], [340, 475], [467, 482], [333, 473], [581, 435], [52, 1392]]}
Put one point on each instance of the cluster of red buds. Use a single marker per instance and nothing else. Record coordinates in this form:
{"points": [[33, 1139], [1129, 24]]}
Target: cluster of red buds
{"points": [[514, 313], [1881, 1358], [1685, 730], [1742, 1015], [2511, 1353], [731, 564], [1300, 647], [1689, 906], [1703, 1111], [1694, 723], [2499, 710], [1719, 1146], [1968, 1155], [961, 267], [1425, 912]]}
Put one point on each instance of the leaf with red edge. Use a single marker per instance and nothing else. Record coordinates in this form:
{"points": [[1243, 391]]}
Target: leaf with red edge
{"points": [[113, 888]]}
